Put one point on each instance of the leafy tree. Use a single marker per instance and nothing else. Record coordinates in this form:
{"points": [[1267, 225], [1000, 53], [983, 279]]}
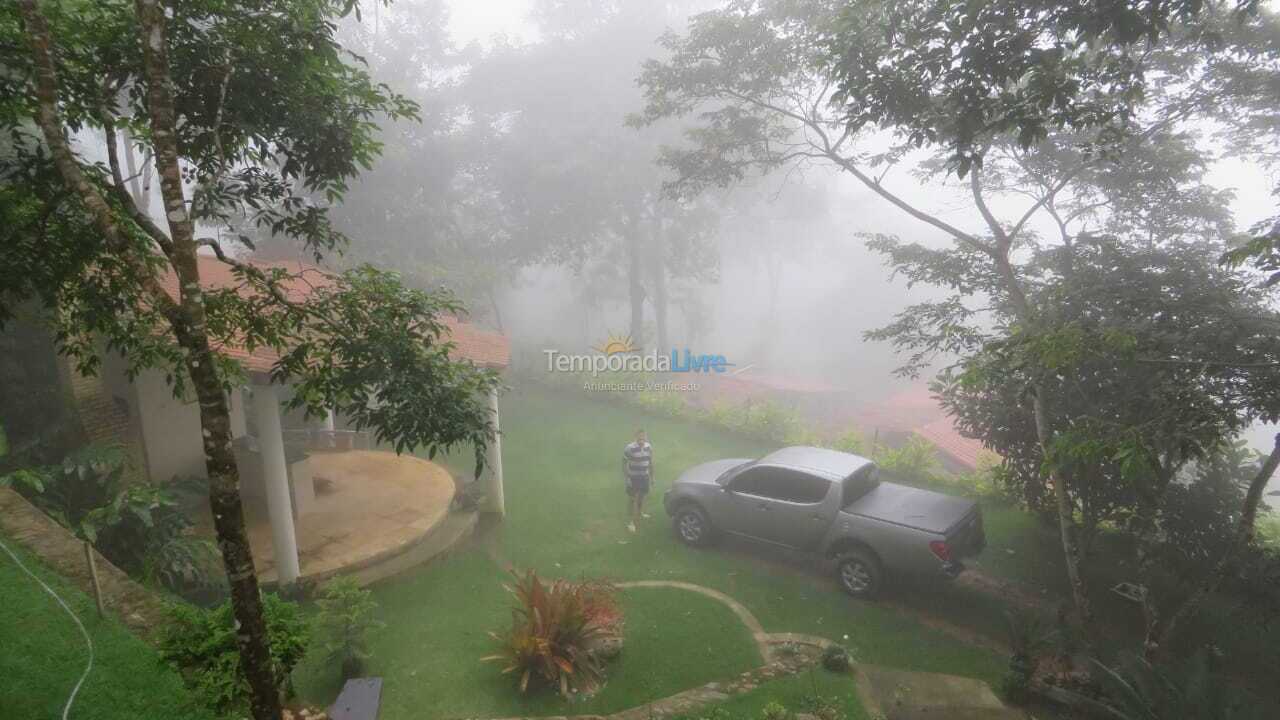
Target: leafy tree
{"points": [[575, 188], [249, 111], [1150, 358], [767, 95], [428, 207], [959, 74]]}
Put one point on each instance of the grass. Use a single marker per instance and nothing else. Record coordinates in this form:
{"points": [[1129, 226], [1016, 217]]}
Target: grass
{"points": [[566, 516], [792, 692], [42, 655], [438, 623]]}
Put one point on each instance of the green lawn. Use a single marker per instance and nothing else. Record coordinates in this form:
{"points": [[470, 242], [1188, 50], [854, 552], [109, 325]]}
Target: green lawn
{"points": [[793, 693], [42, 655], [437, 630], [566, 517]]}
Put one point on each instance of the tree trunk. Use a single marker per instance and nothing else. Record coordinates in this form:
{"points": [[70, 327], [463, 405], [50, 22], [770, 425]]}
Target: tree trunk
{"points": [[186, 318], [635, 277], [658, 271], [192, 335], [999, 254], [496, 309], [1066, 521], [1158, 638]]}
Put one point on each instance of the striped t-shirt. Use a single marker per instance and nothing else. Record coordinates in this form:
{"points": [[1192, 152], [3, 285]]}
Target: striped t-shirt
{"points": [[639, 458]]}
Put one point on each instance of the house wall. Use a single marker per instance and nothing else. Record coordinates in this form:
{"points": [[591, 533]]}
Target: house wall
{"points": [[170, 429]]}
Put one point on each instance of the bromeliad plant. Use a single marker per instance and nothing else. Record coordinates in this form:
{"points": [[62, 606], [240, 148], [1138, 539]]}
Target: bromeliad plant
{"points": [[554, 630]]}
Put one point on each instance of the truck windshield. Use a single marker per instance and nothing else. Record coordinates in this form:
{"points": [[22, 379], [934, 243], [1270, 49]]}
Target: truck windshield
{"points": [[858, 484]]}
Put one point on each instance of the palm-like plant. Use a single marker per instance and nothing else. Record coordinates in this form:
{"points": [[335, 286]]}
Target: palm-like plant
{"points": [[553, 628], [1138, 690]]}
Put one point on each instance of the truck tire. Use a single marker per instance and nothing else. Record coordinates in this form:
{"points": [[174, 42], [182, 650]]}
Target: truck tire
{"points": [[692, 525], [859, 573]]}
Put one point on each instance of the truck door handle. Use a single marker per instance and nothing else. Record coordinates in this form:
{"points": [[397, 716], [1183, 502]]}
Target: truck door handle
{"points": [[762, 506]]}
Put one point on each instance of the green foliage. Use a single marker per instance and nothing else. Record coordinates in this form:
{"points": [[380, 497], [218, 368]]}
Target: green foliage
{"points": [[852, 441], [553, 630], [1268, 529], [141, 528], [666, 404], [822, 707], [837, 658], [1139, 690], [384, 362], [763, 419], [774, 710], [201, 644], [915, 461], [342, 626], [954, 74], [1030, 634]]}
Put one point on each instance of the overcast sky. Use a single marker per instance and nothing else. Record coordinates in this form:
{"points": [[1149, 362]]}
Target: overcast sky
{"points": [[481, 19]]}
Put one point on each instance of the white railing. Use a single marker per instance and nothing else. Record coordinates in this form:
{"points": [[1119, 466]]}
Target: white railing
{"points": [[319, 439]]}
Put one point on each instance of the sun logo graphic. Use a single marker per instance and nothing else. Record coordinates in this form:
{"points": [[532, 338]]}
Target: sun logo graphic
{"points": [[617, 345]]}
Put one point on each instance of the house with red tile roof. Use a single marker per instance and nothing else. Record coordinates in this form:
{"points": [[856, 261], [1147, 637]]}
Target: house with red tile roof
{"points": [[142, 414]]}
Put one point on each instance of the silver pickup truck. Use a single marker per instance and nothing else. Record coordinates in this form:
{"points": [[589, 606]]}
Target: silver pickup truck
{"points": [[833, 503]]}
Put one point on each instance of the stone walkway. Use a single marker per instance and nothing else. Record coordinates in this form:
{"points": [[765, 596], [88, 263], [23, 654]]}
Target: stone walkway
{"points": [[137, 607]]}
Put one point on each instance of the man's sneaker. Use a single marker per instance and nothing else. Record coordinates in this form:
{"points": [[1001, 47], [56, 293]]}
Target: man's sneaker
{"points": [[646, 516], [631, 526]]}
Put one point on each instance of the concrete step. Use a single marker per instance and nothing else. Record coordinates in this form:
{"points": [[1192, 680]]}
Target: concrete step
{"points": [[450, 532]]}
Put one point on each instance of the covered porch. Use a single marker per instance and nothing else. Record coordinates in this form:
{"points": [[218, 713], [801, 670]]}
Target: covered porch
{"points": [[320, 501], [318, 498], [368, 506]]}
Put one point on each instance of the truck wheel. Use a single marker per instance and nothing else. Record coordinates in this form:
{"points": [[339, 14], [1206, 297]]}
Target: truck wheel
{"points": [[859, 573], [692, 526]]}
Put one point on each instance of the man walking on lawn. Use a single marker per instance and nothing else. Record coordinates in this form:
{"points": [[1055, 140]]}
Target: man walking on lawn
{"points": [[637, 470]]}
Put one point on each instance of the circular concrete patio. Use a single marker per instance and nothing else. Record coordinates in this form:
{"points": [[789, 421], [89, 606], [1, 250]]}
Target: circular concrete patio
{"points": [[369, 507]]}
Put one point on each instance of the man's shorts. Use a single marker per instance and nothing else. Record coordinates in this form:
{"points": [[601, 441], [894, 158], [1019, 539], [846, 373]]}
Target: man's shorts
{"points": [[637, 486]]}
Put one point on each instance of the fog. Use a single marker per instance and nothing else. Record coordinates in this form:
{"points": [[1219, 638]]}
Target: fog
{"points": [[790, 288], [966, 311]]}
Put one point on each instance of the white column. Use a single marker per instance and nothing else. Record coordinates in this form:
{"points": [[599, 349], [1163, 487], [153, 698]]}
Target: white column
{"points": [[492, 478], [328, 420], [275, 477], [235, 404]]}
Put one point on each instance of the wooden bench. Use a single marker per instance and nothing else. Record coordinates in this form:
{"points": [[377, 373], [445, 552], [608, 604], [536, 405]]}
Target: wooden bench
{"points": [[360, 699]]}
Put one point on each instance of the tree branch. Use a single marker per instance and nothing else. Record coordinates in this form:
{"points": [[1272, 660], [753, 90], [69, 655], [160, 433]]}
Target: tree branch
{"points": [[49, 120]]}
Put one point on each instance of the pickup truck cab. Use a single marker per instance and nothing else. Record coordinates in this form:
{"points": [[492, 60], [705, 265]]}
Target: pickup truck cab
{"points": [[832, 503]]}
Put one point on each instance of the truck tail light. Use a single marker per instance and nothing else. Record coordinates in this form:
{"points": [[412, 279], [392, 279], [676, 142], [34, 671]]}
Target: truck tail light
{"points": [[941, 550]]}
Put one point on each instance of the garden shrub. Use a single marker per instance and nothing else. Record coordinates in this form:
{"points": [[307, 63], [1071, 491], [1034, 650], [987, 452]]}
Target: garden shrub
{"points": [[914, 461], [836, 658], [822, 707], [201, 644], [667, 404], [774, 710], [851, 441], [554, 630], [342, 626], [1030, 635], [141, 528]]}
